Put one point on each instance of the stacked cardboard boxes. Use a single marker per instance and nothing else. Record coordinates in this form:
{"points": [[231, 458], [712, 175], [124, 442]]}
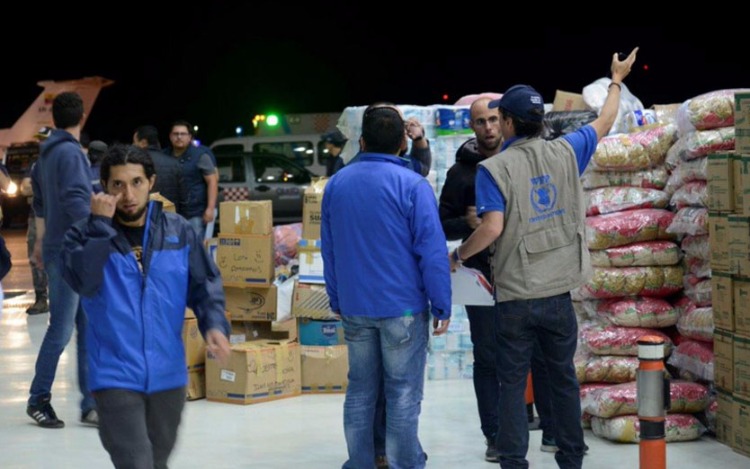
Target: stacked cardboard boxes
{"points": [[195, 356], [325, 361], [729, 237], [265, 362]]}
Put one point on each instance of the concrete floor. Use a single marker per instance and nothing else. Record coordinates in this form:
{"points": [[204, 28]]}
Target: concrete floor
{"points": [[304, 432]]}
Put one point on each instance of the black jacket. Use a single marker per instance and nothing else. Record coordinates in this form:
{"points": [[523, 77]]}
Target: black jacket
{"points": [[458, 193]]}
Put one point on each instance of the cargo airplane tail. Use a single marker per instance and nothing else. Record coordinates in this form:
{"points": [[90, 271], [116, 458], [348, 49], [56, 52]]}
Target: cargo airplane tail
{"points": [[39, 114]]}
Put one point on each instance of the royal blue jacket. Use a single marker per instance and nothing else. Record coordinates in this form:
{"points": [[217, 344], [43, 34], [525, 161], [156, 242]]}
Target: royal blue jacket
{"points": [[135, 318], [383, 247]]}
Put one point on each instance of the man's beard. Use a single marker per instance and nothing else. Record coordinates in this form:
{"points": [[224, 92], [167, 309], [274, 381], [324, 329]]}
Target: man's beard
{"points": [[487, 148], [127, 218]]}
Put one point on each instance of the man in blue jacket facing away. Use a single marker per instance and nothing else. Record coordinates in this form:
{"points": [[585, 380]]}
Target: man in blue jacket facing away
{"points": [[385, 267], [61, 183], [136, 269]]}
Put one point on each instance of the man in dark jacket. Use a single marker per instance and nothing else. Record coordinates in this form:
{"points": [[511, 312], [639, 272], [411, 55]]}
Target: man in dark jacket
{"points": [[200, 178], [458, 215], [168, 177], [96, 150], [334, 142], [61, 181], [137, 268]]}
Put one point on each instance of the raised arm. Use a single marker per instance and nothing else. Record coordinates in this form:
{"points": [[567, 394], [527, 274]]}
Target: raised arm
{"points": [[620, 69]]}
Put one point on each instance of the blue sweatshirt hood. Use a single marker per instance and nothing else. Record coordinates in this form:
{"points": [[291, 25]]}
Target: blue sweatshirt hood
{"points": [[57, 137]]}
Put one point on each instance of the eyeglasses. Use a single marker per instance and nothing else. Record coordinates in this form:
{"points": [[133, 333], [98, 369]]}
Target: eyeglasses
{"points": [[180, 134]]}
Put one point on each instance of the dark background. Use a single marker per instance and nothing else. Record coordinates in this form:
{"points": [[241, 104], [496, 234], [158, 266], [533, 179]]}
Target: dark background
{"points": [[219, 64]]}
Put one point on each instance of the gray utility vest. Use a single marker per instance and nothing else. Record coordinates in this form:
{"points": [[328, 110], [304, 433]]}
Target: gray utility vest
{"points": [[542, 250]]}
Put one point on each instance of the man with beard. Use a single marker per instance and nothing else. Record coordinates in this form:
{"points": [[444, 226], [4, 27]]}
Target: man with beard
{"points": [[136, 269], [458, 214]]}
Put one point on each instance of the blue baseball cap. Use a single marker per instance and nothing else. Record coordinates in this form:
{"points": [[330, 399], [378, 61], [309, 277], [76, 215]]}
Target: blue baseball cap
{"points": [[522, 101]]}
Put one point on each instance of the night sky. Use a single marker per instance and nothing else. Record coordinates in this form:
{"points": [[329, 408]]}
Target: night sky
{"points": [[219, 65]]}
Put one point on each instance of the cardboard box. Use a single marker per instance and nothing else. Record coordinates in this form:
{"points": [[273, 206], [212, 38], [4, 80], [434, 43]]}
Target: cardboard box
{"points": [[196, 388], [741, 288], [738, 168], [567, 101], [742, 122], [310, 261], [720, 184], [251, 303], [324, 369], [722, 295], [195, 346], [311, 301], [741, 362], [258, 371], [316, 332], [244, 331], [246, 217], [739, 245], [724, 412], [745, 184], [718, 239], [724, 360], [166, 204], [741, 424], [311, 208], [246, 260]]}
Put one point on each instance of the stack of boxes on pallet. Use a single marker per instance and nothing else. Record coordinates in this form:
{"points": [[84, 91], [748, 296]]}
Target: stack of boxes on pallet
{"points": [[729, 238], [265, 360], [325, 361]]}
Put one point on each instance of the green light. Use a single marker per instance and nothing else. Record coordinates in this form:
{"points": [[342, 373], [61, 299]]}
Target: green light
{"points": [[272, 120]]}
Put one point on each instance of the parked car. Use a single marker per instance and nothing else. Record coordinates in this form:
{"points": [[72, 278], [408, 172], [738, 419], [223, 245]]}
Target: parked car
{"points": [[264, 176]]}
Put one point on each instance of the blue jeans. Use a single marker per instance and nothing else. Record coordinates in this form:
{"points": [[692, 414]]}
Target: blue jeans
{"points": [[380, 422], [486, 383], [552, 322], [394, 350], [65, 311], [198, 226]]}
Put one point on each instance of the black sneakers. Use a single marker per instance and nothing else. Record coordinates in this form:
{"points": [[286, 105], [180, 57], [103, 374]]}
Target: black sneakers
{"points": [[44, 415], [90, 417], [550, 446], [492, 454]]}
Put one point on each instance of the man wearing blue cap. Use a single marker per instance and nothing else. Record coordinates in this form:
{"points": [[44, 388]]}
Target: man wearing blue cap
{"points": [[334, 142], [531, 202]]}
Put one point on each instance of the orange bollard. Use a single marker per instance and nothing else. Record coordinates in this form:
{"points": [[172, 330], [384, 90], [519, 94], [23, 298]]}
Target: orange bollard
{"points": [[653, 402]]}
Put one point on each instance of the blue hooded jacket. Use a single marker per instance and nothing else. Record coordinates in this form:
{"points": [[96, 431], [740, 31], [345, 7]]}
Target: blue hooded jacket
{"points": [[61, 180], [135, 318]]}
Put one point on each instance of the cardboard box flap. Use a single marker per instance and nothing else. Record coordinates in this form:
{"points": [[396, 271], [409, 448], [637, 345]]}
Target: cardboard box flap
{"points": [[331, 352], [317, 186], [262, 344]]}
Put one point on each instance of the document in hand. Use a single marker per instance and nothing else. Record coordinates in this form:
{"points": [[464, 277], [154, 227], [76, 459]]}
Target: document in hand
{"points": [[471, 288]]}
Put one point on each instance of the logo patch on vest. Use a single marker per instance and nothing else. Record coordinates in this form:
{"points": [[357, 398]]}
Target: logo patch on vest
{"points": [[543, 194], [543, 198]]}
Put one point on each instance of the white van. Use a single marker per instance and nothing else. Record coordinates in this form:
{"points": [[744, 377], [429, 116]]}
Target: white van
{"points": [[305, 150], [297, 136]]}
